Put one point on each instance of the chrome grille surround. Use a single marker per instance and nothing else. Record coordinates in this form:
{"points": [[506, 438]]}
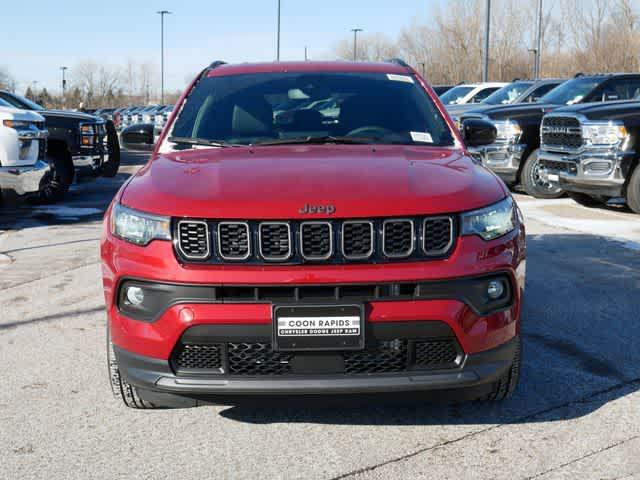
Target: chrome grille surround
{"points": [[343, 249], [386, 236], [180, 244], [311, 224], [425, 237], [261, 241], [221, 244]]}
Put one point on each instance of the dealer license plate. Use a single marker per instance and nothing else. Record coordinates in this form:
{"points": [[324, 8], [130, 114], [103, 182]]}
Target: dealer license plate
{"points": [[318, 327]]}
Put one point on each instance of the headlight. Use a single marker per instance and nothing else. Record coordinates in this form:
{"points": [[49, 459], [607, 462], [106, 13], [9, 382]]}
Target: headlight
{"points": [[87, 133], [604, 134], [507, 130], [492, 221], [138, 227], [16, 124]]}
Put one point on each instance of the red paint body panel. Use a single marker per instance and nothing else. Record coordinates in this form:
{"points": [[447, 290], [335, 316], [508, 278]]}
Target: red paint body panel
{"points": [[273, 182]]}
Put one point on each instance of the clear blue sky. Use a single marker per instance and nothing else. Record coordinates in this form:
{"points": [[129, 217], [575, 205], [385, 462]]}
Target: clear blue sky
{"points": [[39, 36]]}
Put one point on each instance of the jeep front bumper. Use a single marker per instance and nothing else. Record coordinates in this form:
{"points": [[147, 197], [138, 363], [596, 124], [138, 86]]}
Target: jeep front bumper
{"points": [[501, 157], [596, 171]]}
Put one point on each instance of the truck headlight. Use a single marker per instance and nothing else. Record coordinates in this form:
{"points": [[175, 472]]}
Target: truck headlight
{"points": [[18, 124], [507, 130], [604, 134], [491, 222], [138, 227], [87, 134]]}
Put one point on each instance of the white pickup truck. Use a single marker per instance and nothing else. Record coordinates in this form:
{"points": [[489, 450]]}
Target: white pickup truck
{"points": [[22, 152]]}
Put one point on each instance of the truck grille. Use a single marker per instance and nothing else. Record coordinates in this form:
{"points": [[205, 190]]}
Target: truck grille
{"points": [[561, 132], [331, 241], [259, 359], [569, 167]]}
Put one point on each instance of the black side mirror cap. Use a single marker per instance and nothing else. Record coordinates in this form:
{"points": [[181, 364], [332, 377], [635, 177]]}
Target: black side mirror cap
{"points": [[477, 132], [138, 137]]}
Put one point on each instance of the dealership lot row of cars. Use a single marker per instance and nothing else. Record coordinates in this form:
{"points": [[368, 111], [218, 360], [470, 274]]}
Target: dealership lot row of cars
{"points": [[554, 137]]}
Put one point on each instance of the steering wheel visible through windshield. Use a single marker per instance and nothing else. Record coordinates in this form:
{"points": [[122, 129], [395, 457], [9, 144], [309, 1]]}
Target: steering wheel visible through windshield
{"points": [[314, 107]]}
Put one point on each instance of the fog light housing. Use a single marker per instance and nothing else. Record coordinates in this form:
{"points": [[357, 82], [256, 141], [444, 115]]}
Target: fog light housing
{"points": [[495, 289], [135, 295]]}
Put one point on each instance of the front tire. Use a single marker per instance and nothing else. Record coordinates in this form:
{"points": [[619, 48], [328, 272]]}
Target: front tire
{"points": [[531, 181], [506, 385], [56, 183], [633, 191]]}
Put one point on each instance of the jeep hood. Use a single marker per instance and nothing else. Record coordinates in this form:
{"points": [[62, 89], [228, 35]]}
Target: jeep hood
{"points": [[275, 182]]}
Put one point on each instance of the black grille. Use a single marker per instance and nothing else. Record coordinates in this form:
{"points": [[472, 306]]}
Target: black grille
{"points": [[561, 132], [316, 240], [331, 241], [388, 356], [257, 359], [357, 239], [569, 167], [437, 235], [436, 353], [398, 238], [199, 357], [193, 239], [233, 240], [275, 241]]}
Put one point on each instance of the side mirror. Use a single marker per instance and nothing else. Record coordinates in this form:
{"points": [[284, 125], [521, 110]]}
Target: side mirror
{"points": [[477, 132], [138, 137]]}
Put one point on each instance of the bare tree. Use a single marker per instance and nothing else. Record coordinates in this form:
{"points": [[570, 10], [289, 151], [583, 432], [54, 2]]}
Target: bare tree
{"points": [[371, 47]]}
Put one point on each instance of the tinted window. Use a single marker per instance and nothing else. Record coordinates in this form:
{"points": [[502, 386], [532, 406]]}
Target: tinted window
{"points": [[507, 94], [250, 108], [4, 104], [20, 102], [482, 94], [619, 89], [540, 92], [455, 95], [572, 91]]}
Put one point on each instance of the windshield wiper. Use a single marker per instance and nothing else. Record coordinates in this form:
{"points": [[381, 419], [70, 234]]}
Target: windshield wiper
{"points": [[203, 141], [322, 139]]}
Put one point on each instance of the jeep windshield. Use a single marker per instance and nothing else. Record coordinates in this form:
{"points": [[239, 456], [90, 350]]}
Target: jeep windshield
{"points": [[310, 107], [571, 91]]}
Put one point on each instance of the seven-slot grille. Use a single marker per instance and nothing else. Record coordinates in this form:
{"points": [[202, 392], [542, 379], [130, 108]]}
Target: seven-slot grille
{"points": [[562, 132], [332, 241]]}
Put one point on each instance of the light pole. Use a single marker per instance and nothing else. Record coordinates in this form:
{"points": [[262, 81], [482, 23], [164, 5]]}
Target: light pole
{"points": [[487, 26], [278, 35], [538, 48], [423, 65], [64, 82], [355, 43], [162, 13]]}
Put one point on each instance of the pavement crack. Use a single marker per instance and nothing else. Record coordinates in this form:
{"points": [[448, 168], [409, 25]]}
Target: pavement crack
{"points": [[49, 318], [590, 454], [415, 453]]}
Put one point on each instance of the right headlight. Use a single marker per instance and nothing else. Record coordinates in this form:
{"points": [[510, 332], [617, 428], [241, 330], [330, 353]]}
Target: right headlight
{"points": [[139, 227], [491, 222], [507, 130], [604, 133]]}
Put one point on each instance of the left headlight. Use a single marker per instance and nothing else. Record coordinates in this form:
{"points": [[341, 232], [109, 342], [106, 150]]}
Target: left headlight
{"points": [[18, 124], [604, 134], [507, 130], [139, 227], [491, 222]]}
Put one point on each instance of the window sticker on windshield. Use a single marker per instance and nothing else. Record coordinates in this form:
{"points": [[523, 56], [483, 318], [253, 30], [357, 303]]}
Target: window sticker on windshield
{"points": [[421, 137], [399, 78]]}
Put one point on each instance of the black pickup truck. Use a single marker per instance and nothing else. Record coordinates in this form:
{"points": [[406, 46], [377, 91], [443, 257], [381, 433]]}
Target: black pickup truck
{"points": [[514, 155], [591, 151], [78, 144]]}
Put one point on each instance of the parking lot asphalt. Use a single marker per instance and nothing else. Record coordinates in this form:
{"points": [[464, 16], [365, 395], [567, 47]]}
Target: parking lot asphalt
{"points": [[576, 413]]}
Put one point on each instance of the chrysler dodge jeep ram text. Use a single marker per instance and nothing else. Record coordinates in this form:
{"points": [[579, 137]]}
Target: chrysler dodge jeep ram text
{"points": [[361, 251], [514, 156], [591, 151]]}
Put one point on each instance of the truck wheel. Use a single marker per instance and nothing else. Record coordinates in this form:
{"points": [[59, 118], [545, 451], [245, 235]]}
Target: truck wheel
{"points": [[587, 200], [110, 168], [531, 181], [133, 397], [633, 191], [503, 389], [56, 183]]}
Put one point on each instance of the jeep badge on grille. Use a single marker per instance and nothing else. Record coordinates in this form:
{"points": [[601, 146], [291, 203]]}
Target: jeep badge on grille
{"points": [[328, 209]]}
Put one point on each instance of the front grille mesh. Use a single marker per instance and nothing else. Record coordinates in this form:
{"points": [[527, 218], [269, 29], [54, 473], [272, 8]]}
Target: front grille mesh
{"points": [[316, 240], [398, 238], [357, 239], [437, 234], [569, 167], [193, 238], [233, 240], [435, 352], [331, 241], [259, 359], [561, 132]]}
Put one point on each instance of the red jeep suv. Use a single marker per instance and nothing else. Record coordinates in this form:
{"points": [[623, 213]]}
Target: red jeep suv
{"points": [[311, 228]]}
